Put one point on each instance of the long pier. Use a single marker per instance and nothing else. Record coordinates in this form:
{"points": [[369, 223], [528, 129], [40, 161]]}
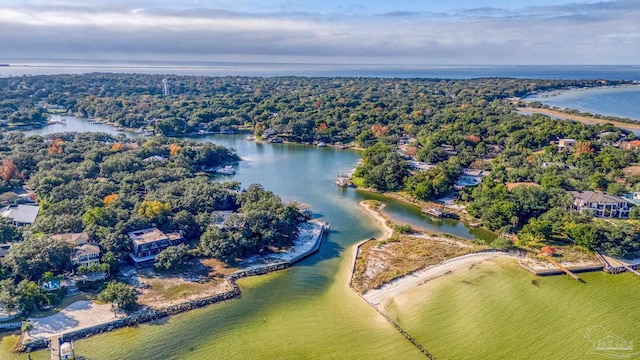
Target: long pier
{"points": [[559, 266]]}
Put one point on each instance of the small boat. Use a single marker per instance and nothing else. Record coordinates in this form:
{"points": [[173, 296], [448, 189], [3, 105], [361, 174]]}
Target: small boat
{"points": [[119, 128], [226, 170], [321, 144], [250, 138], [140, 130]]}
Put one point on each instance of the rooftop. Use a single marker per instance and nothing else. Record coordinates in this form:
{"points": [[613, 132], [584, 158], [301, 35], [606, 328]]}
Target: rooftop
{"points": [[21, 213], [87, 249], [596, 197], [74, 239], [150, 235]]}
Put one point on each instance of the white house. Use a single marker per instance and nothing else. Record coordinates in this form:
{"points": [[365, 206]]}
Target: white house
{"points": [[602, 205], [84, 253], [20, 215]]}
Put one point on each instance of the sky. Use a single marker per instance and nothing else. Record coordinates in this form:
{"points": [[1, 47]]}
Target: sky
{"points": [[420, 32]]}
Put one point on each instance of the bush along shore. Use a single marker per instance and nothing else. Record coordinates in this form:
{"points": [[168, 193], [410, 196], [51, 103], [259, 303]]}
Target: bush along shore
{"points": [[148, 315]]}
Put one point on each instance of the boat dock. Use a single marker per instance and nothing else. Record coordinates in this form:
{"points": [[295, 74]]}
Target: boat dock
{"points": [[559, 266], [344, 179], [616, 266], [437, 213]]}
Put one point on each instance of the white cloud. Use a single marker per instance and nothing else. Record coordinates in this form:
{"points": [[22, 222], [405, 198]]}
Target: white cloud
{"points": [[599, 33]]}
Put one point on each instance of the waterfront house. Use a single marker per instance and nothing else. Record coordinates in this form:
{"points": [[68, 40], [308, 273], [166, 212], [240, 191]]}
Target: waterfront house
{"points": [[146, 244], [304, 210], [84, 253], [419, 165], [566, 143], [602, 205], [20, 215]]}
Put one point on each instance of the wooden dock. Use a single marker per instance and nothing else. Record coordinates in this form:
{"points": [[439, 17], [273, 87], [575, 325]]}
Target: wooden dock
{"points": [[559, 266]]}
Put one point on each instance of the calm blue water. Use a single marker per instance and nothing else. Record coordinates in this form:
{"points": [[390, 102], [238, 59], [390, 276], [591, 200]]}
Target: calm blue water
{"points": [[618, 101], [301, 173], [48, 67]]}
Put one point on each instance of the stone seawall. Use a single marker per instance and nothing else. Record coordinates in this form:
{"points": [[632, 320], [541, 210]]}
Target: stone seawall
{"points": [[560, 272], [620, 269], [147, 315], [134, 319]]}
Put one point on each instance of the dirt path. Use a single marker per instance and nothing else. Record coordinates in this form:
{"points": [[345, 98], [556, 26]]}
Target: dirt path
{"points": [[380, 297], [578, 118]]}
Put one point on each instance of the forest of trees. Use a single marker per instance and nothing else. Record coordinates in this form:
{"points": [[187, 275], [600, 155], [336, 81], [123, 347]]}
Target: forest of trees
{"points": [[93, 182], [301, 109], [109, 186]]}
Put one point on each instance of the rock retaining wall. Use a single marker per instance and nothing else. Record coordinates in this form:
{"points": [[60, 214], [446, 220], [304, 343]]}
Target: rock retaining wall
{"points": [[148, 315]]}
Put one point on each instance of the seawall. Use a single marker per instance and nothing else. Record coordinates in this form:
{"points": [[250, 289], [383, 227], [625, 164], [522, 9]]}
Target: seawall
{"points": [[148, 315]]}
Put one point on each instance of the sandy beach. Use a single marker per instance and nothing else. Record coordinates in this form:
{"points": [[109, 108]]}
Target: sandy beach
{"points": [[79, 315], [578, 118], [380, 297]]}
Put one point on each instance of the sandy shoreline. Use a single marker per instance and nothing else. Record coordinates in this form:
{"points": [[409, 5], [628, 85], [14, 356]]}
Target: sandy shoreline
{"points": [[87, 314], [381, 296], [578, 118]]}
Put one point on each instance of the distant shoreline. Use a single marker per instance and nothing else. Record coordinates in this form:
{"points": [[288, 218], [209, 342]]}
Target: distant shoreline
{"points": [[579, 118]]}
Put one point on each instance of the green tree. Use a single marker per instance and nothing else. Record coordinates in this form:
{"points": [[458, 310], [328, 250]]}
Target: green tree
{"points": [[36, 255], [8, 232], [173, 257], [120, 294], [584, 235]]}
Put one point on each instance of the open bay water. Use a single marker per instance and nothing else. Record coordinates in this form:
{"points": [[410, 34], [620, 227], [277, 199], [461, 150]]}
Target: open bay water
{"points": [[621, 101], [308, 312], [49, 67]]}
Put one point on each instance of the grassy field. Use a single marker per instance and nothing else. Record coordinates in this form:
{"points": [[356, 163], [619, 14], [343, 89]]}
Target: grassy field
{"points": [[381, 261], [496, 310], [170, 288]]}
